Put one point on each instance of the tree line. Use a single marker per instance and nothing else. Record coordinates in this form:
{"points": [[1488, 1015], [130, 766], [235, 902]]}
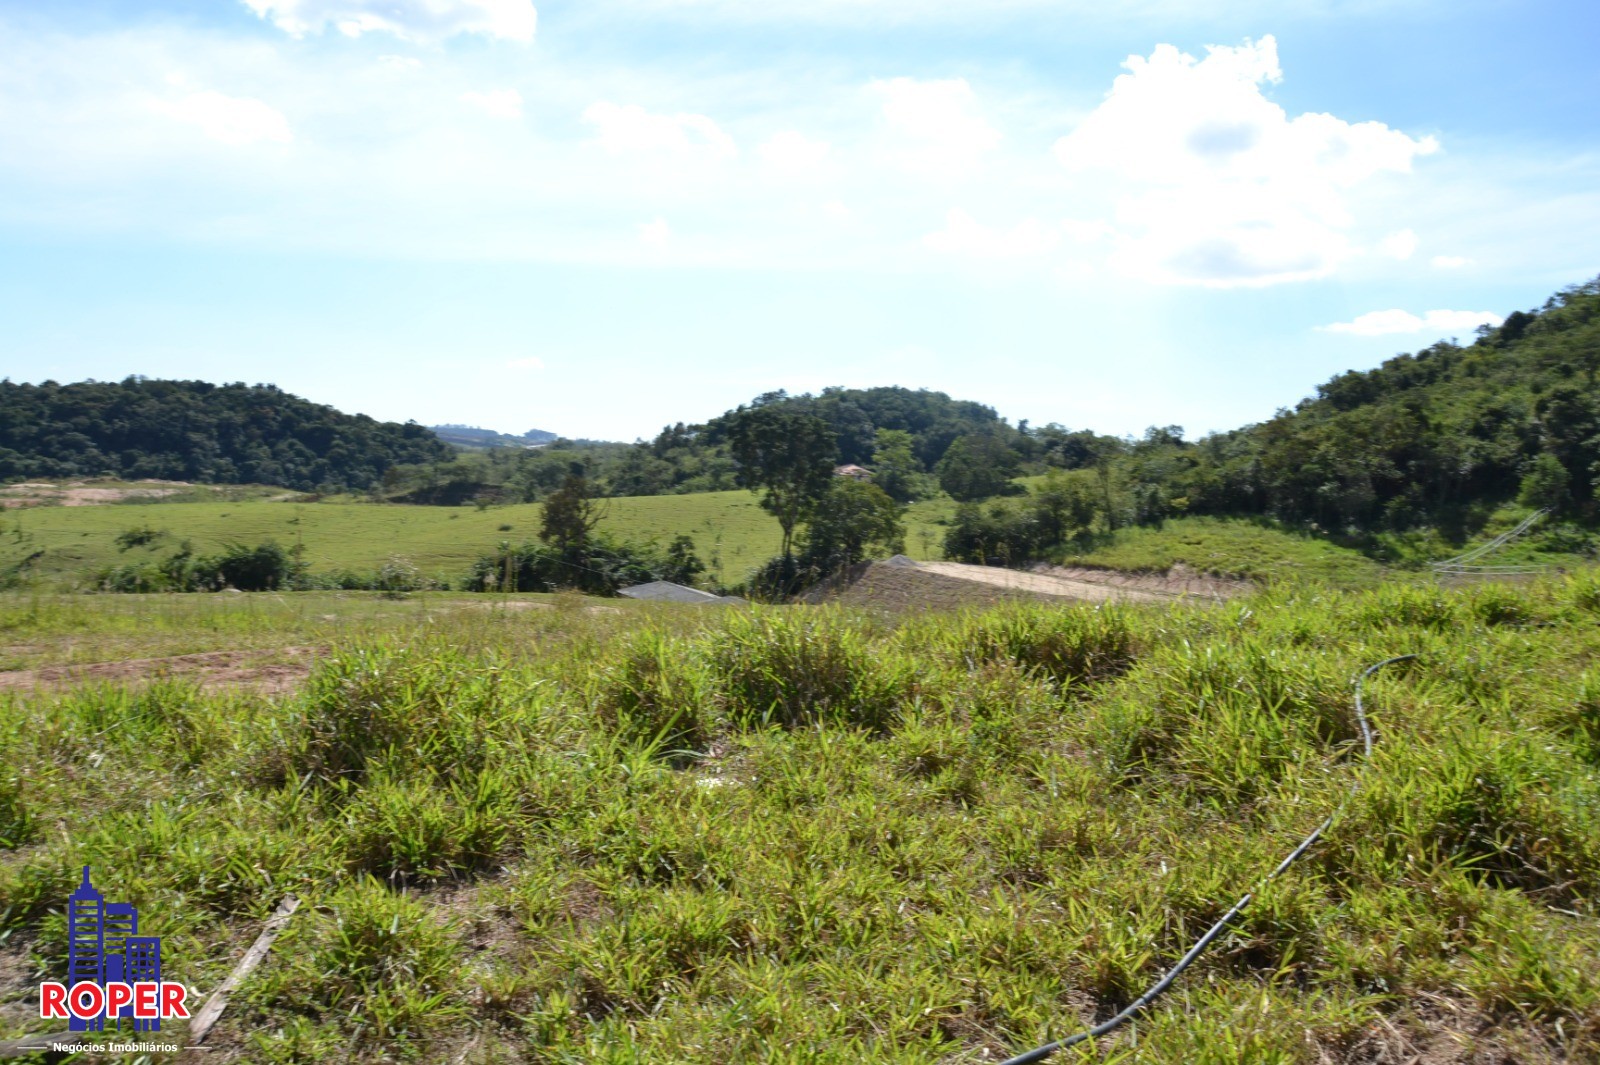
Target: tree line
{"points": [[195, 431]]}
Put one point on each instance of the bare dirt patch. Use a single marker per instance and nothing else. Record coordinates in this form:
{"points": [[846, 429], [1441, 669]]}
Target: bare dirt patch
{"points": [[1180, 580], [272, 672], [1046, 583], [904, 584], [78, 494]]}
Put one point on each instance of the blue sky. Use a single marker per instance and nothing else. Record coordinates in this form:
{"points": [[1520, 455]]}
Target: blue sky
{"points": [[598, 218]]}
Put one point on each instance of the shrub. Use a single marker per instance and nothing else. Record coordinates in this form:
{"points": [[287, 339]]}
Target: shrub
{"points": [[139, 536], [264, 568], [599, 566]]}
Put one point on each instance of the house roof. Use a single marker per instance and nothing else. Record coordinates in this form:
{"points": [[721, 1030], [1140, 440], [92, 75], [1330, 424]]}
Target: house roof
{"points": [[667, 592]]}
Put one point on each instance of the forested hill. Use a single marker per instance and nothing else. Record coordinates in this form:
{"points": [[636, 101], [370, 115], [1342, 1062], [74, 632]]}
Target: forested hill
{"points": [[196, 431], [933, 419], [1425, 439]]}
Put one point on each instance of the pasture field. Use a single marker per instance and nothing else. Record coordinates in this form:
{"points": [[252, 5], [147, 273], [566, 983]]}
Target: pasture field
{"points": [[557, 829], [63, 546], [1231, 547]]}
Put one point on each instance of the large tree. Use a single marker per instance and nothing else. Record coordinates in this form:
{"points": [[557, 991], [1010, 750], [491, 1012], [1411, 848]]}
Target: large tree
{"points": [[977, 466], [855, 521], [570, 515], [788, 457]]}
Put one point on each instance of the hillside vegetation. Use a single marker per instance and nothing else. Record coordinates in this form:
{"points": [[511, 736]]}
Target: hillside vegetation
{"points": [[195, 431], [1439, 438], [575, 835]]}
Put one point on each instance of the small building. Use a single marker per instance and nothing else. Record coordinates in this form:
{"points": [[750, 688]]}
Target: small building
{"points": [[854, 472], [667, 592]]}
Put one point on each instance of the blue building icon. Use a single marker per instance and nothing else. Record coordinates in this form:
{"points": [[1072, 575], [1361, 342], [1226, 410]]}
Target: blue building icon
{"points": [[104, 947]]}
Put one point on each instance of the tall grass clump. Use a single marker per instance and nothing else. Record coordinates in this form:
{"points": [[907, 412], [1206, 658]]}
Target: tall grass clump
{"points": [[427, 706], [1066, 644], [655, 692], [802, 669], [425, 827], [1407, 606], [1508, 810], [18, 825], [378, 959]]}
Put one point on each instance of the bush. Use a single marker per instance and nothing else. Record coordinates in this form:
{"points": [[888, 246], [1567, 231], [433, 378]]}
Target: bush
{"points": [[266, 567], [140, 536], [599, 566]]}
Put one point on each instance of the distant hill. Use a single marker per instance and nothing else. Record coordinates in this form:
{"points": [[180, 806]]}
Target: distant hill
{"points": [[201, 432], [470, 436]]}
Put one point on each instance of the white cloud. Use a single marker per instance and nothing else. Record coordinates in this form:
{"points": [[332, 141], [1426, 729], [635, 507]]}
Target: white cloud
{"points": [[531, 362], [625, 129], [1087, 232], [229, 119], [1384, 323], [1449, 262], [791, 153], [963, 235], [1216, 184], [499, 103], [937, 130], [1401, 245], [417, 20], [655, 234]]}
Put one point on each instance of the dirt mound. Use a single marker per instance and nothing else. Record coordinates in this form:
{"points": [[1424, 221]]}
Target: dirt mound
{"points": [[880, 586], [272, 672], [903, 584]]}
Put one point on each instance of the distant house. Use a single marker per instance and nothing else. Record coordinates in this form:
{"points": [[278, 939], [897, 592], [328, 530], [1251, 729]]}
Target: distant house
{"points": [[854, 472], [667, 592]]}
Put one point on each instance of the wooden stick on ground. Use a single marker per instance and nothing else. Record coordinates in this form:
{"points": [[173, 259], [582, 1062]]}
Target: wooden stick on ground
{"points": [[211, 1012]]}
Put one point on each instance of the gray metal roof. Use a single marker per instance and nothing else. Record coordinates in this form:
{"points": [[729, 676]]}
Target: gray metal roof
{"points": [[667, 592]]}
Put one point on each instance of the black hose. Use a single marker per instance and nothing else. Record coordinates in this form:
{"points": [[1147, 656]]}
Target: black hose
{"points": [[1160, 986]]}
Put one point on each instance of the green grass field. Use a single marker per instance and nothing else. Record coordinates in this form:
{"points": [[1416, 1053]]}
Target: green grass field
{"points": [[732, 534], [1232, 548], [580, 831]]}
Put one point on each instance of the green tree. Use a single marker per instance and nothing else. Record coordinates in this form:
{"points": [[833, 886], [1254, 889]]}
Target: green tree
{"points": [[786, 455], [682, 564], [570, 515], [977, 466], [895, 468], [1547, 483], [1063, 506], [855, 521]]}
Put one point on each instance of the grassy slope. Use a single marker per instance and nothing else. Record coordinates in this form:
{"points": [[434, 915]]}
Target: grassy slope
{"points": [[1231, 548], [980, 831], [441, 541]]}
